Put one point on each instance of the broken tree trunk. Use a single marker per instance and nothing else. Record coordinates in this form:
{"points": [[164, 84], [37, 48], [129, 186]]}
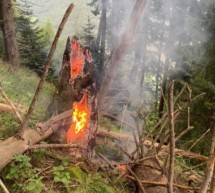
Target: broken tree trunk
{"points": [[76, 88]]}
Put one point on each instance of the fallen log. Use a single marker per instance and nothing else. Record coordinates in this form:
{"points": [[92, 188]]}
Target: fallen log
{"points": [[15, 145], [4, 107]]}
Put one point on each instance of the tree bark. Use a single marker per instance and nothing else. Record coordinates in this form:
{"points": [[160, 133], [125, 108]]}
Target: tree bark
{"points": [[172, 138], [119, 53], [11, 48], [210, 167]]}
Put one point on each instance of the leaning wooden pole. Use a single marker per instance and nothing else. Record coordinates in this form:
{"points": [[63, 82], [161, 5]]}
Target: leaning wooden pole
{"points": [[172, 138], [47, 66], [210, 167], [119, 53]]}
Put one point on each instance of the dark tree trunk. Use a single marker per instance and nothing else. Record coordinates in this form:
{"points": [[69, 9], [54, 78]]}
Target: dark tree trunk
{"points": [[163, 90], [103, 32], [11, 47]]}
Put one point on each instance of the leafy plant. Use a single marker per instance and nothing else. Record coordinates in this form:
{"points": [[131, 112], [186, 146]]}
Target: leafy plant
{"points": [[94, 183], [35, 185], [24, 175], [62, 176]]}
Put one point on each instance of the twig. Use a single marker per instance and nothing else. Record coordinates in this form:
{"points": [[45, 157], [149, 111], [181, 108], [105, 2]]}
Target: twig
{"points": [[54, 146], [120, 177], [164, 184], [183, 133], [198, 140], [4, 187], [181, 92], [4, 95], [172, 138], [137, 179], [47, 66], [105, 159]]}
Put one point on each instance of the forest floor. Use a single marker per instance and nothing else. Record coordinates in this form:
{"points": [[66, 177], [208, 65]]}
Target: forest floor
{"points": [[59, 171]]}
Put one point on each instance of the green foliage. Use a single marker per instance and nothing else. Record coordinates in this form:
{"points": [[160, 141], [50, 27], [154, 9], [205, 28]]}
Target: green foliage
{"points": [[19, 85], [32, 39], [24, 175], [62, 175], [94, 183], [35, 185], [77, 173]]}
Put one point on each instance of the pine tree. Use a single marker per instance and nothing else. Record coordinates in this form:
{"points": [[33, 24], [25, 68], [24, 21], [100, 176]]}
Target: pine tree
{"points": [[31, 40]]}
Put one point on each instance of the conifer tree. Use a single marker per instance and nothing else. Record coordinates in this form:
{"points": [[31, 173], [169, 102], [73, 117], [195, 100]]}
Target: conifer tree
{"points": [[31, 40]]}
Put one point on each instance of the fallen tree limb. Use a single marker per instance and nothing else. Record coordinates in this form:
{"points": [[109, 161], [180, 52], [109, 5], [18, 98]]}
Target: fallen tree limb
{"points": [[4, 95], [165, 184], [4, 107], [54, 146], [3, 187]]}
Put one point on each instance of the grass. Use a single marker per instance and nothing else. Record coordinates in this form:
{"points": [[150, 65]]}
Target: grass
{"points": [[20, 85]]}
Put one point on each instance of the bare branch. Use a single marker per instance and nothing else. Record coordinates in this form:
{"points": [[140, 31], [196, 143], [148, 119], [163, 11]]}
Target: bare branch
{"points": [[54, 146], [210, 167], [4, 95], [172, 138], [3, 187], [198, 140], [47, 66], [137, 179]]}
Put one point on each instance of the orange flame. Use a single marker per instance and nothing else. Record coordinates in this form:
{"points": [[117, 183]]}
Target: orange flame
{"points": [[77, 59], [80, 120]]}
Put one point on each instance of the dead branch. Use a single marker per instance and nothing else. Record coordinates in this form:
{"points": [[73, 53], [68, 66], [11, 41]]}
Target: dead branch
{"points": [[47, 66], [181, 92], [137, 179], [183, 133], [172, 138], [4, 95], [210, 167], [105, 159], [54, 146], [3, 187], [120, 177], [198, 140], [165, 184]]}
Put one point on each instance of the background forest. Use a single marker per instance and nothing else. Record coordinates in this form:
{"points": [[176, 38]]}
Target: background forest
{"points": [[174, 40]]}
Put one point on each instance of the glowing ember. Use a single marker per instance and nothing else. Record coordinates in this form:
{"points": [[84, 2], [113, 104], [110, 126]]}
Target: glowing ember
{"points": [[77, 59], [122, 167], [80, 120]]}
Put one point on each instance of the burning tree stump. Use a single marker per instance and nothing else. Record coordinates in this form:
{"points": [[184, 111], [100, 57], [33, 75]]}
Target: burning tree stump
{"points": [[77, 90]]}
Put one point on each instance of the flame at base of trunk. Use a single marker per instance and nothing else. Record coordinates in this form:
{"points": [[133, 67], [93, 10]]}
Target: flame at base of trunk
{"points": [[80, 120]]}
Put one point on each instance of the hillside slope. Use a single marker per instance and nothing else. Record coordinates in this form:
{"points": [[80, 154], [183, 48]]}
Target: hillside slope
{"points": [[20, 85]]}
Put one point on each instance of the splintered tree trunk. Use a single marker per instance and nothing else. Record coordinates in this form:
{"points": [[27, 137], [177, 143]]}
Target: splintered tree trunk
{"points": [[12, 51], [123, 47]]}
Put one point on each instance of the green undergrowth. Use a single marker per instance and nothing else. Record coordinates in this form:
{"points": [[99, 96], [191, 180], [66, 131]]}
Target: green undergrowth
{"points": [[20, 84], [53, 172]]}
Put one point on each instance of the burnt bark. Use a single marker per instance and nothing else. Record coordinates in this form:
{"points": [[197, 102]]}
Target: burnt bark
{"points": [[11, 47]]}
